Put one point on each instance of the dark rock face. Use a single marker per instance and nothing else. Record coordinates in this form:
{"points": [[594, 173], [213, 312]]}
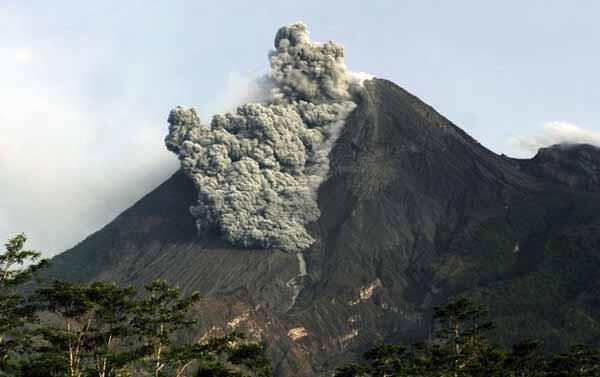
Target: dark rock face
{"points": [[415, 211], [576, 166]]}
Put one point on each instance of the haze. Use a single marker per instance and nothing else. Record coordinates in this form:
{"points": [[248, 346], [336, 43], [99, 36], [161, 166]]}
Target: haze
{"points": [[86, 89]]}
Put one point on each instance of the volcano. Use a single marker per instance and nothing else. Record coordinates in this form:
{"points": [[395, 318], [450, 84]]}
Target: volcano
{"points": [[413, 212]]}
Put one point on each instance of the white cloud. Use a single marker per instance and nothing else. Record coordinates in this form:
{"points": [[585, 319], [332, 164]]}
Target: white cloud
{"points": [[554, 133], [81, 137], [67, 167]]}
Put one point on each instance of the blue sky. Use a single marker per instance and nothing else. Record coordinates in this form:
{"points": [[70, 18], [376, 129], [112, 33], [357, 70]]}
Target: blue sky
{"points": [[85, 87]]}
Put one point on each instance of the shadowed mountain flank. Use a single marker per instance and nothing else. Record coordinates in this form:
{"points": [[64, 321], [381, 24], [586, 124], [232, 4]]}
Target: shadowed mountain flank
{"points": [[576, 166], [413, 211]]}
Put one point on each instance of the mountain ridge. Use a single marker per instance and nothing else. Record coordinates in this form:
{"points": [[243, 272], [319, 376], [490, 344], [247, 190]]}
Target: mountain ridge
{"points": [[414, 211]]}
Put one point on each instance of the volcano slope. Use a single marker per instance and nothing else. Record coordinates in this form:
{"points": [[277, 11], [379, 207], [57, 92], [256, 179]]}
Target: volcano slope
{"points": [[414, 211]]}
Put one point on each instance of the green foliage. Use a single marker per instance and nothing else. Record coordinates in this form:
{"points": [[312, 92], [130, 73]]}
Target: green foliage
{"points": [[109, 342], [388, 359], [526, 359], [233, 356], [459, 337], [102, 330], [353, 370], [17, 267], [249, 356], [94, 326], [540, 255], [157, 318], [165, 312], [460, 348], [44, 363], [580, 361]]}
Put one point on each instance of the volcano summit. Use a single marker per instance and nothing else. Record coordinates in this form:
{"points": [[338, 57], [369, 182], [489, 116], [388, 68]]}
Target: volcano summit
{"points": [[336, 212], [257, 170]]}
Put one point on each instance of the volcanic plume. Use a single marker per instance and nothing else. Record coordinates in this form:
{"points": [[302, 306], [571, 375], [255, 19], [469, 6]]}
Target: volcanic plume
{"points": [[405, 208], [257, 169]]}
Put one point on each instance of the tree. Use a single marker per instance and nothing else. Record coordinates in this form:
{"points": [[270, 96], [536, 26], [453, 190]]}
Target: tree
{"points": [[459, 348], [389, 359], [44, 363], [110, 340], [353, 370], [157, 319], [580, 361], [490, 363], [101, 330], [165, 312], [233, 355], [526, 360], [71, 304], [459, 337], [95, 319], [248, 358], [17, 267]]}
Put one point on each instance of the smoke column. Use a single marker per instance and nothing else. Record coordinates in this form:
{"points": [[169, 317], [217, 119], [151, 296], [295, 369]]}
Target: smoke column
{"points": [[257, 169]]}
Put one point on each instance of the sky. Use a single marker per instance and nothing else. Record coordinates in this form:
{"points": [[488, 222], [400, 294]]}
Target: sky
{"points": [[86, 87]]}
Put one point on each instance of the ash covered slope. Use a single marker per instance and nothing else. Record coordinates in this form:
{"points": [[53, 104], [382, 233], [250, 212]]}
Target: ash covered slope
{"points": [[414, 211]]}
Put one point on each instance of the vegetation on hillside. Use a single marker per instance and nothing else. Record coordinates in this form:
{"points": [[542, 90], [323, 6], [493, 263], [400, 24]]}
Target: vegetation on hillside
{"points": [[460, 347], [72, 330]]}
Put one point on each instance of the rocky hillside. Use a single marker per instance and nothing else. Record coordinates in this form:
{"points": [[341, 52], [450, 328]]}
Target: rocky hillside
{"points": [[414, 211]]}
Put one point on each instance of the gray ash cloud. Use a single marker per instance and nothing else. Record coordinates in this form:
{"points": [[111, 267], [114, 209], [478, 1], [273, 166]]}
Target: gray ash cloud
{"points": [[257, 169]]}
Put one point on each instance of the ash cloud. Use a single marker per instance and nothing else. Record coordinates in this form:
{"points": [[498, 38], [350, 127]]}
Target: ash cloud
{"points": [[257, 169]]}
